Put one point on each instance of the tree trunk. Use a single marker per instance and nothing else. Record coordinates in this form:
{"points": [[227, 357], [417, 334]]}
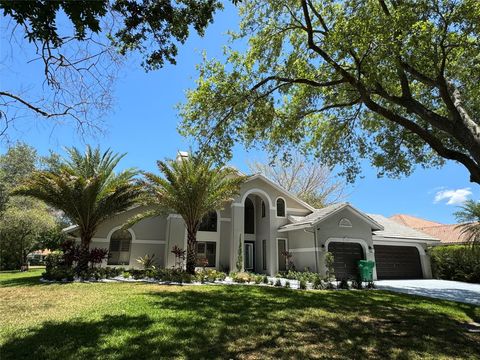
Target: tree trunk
{"points": [[191, 251], [83, 256]]}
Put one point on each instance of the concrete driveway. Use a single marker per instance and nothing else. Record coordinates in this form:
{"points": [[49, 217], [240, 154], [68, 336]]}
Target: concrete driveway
{"points": [[439, 289]]}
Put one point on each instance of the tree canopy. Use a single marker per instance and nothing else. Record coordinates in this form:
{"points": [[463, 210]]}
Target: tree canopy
{"points": [[191, 187], [87, 189], [392, 82], [78, 44], [306, 178]]}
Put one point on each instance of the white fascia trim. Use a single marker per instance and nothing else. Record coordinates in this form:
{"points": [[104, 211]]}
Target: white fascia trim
{"points": [[421, 250], [297, 210], [392, 239], [299, 227], [301, 250], [279, 188], [154, 242]]}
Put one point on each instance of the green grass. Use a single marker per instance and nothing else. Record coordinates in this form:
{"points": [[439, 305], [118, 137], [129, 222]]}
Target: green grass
{"points": [[148, 321]]}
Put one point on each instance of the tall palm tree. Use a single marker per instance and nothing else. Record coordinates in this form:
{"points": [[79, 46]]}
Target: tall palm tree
{"points": [[86, 188], [469, 218], [191, 187]]}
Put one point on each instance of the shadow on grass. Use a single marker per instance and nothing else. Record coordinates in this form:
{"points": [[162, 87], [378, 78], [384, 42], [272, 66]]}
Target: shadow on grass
{"points": [[17, 278], [76, 339], [253, 322]]}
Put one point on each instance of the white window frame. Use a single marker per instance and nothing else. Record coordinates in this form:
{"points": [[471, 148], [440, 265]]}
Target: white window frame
{"points": [[132, 234], [284, 207]]}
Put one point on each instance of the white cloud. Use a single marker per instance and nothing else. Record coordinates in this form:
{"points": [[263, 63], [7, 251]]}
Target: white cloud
{"points": [[453, 197]]}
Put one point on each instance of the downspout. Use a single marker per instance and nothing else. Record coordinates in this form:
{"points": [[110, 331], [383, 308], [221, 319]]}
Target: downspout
{"points": [[314, 247]]}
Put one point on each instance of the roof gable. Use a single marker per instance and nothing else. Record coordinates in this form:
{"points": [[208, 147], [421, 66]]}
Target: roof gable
{"points": [[281, 190], [320, 215]]}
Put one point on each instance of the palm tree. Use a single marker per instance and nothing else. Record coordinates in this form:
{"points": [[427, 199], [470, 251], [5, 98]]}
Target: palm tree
{"points": [[469, 218], [86, 188], [191, 187]]}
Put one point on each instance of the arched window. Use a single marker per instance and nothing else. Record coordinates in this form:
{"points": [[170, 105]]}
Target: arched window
{"points": [[249, 221], [209, 222], [280, 207], [119, 250], [263, 209], [345, 223]]}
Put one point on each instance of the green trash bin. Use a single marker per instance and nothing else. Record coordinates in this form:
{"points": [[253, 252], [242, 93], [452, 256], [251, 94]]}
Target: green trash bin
{"points": [[365, 268]]}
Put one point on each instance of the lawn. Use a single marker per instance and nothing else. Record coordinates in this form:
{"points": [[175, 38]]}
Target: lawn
{"points": [[148, 321]]}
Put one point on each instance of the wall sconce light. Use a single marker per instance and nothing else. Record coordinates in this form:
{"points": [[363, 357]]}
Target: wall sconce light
{"points": [[323, 246]]}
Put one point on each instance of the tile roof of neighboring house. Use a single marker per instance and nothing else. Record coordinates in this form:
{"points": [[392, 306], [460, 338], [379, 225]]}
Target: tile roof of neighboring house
{"points": [[393, 229], [412, 221], [300, 222], [447, 233]]}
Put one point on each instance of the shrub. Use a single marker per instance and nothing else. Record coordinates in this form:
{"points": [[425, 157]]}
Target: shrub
{"points": [[456, 262], [287, 284], [210, 275], [174, 275], [56, 269], [147, 261], [258, 279], [278, 283], [370, 285], [357, 284], [126, 275], [241, 277], [307, 276], [302, 285], [343, 284], [265, 279], [329, 260], [318, 284], [97, 255], [137, 273]]}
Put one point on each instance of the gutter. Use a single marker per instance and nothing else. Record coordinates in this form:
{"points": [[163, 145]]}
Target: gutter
{"points": [[314, 247]]}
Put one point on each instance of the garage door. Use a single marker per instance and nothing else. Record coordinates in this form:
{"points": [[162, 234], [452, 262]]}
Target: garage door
{"points": [[346, 257], [397, 262]]}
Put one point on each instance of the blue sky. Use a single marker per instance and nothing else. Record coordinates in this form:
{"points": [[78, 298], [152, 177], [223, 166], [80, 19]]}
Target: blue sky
{"points": [[143, 124]]}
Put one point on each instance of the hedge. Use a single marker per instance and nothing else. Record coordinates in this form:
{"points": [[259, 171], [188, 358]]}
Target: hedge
{"points": [[456, 262]]}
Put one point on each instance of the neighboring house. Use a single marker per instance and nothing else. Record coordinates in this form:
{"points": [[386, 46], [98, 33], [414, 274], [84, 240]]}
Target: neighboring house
{"points": [[37, 257], [449, 234], [269, 220]]}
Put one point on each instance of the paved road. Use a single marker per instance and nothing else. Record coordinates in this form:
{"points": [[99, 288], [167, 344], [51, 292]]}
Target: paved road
{"points": [[440, 289]]}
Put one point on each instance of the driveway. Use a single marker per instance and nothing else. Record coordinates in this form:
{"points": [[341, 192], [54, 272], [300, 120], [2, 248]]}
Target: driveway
{"points": [[439, 289]]}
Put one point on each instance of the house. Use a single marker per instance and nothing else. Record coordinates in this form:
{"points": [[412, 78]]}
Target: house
{"points": [[448, 234], [269, 220]]}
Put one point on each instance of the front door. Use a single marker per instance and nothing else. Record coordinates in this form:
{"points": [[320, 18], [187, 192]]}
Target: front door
{"points": [[249, 256]]}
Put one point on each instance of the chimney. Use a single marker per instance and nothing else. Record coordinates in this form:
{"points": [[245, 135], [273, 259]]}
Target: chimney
{"points": [[181, 155]]}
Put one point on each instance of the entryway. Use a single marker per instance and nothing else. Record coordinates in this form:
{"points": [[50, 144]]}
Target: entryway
{"points": [[249, 256]]}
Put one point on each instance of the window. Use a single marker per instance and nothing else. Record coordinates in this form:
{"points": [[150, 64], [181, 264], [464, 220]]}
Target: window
{"points": [[280, 207], [206, 250], [209, 222], [263, 209], [249, 221], [119, 250], [345, 223], [264, 254]]}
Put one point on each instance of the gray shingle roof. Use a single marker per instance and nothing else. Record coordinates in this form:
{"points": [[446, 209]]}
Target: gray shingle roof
{"points": [[393, 229], [320, 214]]}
